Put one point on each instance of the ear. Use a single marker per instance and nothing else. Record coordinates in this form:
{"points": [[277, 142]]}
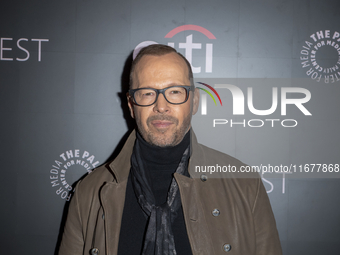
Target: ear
{"points": [[196, 101], [130, 104]]}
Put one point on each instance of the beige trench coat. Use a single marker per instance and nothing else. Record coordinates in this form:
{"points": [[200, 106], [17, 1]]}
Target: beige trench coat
{"points": [[242, 224]]}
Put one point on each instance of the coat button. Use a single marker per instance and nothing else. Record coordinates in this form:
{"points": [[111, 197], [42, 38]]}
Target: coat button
{"points": [[103, 216], [95, 251], [227, 247], [216, 212], [204, 177]]}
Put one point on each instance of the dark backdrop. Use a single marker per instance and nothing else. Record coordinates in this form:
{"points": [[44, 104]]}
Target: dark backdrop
{"points": [[63, 72]]}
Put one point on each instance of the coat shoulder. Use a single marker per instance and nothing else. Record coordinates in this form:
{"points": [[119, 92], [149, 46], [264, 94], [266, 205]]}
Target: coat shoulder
{"points": [[221, 165], [92, 182], [215, 155]]}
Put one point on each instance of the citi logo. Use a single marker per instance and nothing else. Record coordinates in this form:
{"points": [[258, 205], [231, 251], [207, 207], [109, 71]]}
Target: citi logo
{"points": [[189, 46], [204, 97]]}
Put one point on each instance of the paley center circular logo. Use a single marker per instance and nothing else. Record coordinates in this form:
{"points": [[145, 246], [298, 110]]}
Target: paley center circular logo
{"points": [[68, 169], [320, 56]]}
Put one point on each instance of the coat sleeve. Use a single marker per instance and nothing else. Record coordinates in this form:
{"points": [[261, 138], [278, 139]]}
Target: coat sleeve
{"points": [[72, 242], [267, 237]]}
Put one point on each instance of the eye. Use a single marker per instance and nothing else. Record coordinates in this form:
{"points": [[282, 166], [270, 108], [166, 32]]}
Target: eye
{"points": [[148, 94], [176, 91]]}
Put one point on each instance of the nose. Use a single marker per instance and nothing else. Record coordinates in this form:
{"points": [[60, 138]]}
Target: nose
{"points": [[161, 105]]}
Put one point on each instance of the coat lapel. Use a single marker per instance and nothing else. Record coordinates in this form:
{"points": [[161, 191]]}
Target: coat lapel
{"points": [[112, 197]]}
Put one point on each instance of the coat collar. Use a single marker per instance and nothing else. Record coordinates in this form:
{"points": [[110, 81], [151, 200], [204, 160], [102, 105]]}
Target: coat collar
{"points": [[122, 164], [197, 156]]}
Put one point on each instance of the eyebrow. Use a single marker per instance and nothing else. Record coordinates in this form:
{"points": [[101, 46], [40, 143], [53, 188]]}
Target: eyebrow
{"points": [[170, 85]]}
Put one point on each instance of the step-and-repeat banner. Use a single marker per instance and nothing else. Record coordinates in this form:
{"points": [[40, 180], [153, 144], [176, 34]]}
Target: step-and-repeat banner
{"points": [[269, 79]]}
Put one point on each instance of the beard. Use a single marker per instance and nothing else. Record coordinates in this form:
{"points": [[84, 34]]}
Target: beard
{"points": [[163, 138]]}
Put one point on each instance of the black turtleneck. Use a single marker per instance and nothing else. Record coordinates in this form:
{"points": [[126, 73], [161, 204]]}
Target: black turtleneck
{"points": [[161, 163]]}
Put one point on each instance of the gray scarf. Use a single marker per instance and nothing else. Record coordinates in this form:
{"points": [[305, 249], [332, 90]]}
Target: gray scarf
{"points": [[159, 239]]}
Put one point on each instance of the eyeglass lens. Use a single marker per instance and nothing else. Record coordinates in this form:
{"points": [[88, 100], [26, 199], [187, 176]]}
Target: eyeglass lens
{"points": [[175, 95]]}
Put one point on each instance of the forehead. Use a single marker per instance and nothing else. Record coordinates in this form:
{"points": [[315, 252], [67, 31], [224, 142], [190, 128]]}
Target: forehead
{"points": [[161, 70]]}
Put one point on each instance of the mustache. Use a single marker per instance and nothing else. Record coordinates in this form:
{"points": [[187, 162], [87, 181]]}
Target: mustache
{"points": [[162, 117]]}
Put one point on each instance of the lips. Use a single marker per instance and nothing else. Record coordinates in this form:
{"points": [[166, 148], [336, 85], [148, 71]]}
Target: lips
{"points": [[160, 124]]}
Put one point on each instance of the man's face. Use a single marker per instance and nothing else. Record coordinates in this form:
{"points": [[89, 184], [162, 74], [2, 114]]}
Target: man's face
{"points": [[163, 124]]}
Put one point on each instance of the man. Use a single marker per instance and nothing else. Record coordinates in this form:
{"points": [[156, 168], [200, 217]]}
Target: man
{"points": [[148, 200]]}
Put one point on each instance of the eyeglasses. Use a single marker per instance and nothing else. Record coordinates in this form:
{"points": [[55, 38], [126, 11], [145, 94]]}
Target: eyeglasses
{"points": [[148, 96]]}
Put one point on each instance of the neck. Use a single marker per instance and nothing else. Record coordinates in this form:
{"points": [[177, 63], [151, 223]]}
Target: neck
{"points": [[163, 155], [160, 163]]}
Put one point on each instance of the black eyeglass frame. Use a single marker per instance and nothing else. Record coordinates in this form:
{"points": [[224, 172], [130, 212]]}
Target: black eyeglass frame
{"points": [[162, 91]]}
